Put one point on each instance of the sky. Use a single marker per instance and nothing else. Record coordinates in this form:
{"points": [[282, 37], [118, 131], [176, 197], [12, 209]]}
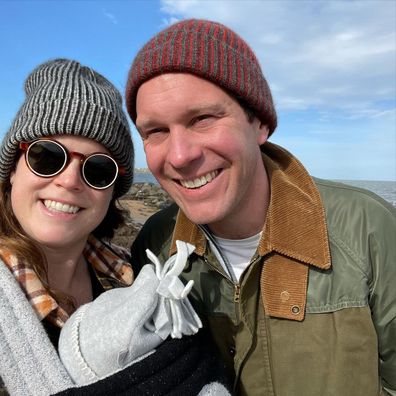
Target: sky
{"points": [[331, 65]]}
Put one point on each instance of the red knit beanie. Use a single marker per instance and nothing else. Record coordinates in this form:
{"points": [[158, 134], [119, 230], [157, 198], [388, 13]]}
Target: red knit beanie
{"points": [[211, 51]]}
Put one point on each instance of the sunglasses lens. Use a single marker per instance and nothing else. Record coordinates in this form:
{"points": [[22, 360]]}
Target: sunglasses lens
{"points": [[100, 171], [46, 158]]}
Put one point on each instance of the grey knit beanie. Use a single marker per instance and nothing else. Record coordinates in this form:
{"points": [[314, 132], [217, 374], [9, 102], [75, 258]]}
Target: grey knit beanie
{"points": [[211, 51], [64, 97]]}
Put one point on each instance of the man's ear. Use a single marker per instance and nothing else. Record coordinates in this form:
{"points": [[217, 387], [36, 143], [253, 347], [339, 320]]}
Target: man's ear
{"points": [[262, 133]]}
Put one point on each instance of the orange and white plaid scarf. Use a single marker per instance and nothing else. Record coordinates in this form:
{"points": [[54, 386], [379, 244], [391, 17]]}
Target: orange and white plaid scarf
{"points": [[110, 264]]}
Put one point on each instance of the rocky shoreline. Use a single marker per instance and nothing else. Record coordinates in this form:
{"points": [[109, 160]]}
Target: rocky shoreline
{"points": [[151, 194], [143, 200]]}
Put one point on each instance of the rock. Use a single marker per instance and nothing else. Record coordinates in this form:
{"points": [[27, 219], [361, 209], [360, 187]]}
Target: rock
{"points": [[125, 235], [153, 196]]}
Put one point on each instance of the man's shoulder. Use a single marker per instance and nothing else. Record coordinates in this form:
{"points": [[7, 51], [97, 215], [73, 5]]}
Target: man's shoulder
{"points": [[341, 196], [353, 213]]}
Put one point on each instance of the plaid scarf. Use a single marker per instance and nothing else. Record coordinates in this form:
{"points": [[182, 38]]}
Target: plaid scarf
{"points": [[110, 264]]}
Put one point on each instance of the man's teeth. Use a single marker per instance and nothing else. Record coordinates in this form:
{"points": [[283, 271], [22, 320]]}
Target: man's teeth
{"points": [[60, 207], [199, 181]]}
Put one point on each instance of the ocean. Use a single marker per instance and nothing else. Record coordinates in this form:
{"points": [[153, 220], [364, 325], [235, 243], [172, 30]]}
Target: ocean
{"points": [[385, 189]]}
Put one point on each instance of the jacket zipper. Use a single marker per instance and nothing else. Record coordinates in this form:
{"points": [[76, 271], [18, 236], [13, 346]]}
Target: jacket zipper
{"points": [[237, 292], [237, 286], [226, 265]]}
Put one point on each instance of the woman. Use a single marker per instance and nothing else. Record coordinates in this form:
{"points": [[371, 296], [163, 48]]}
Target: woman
{"points": [[64, 162]]}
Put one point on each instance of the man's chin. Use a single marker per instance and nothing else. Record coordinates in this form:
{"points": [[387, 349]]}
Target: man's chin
{"points": [[200, 216]]}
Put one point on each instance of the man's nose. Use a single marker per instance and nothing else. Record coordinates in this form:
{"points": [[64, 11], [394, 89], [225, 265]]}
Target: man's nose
{"points": [[184, 147]]}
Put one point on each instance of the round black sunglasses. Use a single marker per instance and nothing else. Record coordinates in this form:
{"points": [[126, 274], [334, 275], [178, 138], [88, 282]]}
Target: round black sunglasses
{"points": [[48, 158]]}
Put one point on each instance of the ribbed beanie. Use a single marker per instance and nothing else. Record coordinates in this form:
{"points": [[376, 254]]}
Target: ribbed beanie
{"points": [[211, 51], [64, 97]]}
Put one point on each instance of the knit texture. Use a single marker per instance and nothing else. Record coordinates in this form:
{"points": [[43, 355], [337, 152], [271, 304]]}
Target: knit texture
{"points": [[64, 97], [211, 51], [179, 367], [29, 364], [125, 324], [123, 342]]}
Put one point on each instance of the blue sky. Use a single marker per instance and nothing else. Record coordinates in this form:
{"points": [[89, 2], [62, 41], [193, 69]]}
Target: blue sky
{"points": [[330, 64]]}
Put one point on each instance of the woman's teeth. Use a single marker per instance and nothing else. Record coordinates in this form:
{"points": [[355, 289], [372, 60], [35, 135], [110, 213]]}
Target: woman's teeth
{"points": [[60, 207], [199, 181]]}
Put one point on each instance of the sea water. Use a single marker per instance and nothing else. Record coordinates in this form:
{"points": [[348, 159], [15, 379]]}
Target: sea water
{"points": [[385, 189]]}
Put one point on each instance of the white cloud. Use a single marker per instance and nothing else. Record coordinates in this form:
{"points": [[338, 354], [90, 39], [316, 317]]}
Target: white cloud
{"points": [[272, 39], [331, 68], [371, 113], [168, 21], [110, 16], [316, 53]]}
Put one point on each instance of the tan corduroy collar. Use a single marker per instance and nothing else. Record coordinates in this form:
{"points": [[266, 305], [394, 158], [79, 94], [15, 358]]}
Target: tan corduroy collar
{"points": [[295, 229]]}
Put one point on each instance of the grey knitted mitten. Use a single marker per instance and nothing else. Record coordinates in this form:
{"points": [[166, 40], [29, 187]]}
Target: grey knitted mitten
{"points": [[125, 325]]}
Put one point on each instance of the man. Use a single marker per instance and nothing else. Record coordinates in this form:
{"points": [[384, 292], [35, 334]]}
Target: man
{"points": [[295, 276]]}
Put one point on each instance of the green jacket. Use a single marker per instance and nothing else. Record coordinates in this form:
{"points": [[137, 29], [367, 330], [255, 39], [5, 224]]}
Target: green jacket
{"points": [[315, 311]]}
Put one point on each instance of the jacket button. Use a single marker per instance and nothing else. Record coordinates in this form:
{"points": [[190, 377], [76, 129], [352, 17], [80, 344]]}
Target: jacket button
{"points": [[295, 309], [232, 351]]}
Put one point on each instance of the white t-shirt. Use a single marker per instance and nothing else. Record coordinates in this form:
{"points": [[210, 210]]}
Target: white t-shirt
{"points": [[238, 252]]}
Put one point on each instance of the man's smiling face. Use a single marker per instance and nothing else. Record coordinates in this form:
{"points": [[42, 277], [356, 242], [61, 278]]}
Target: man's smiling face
{"points": [[202, 149]]}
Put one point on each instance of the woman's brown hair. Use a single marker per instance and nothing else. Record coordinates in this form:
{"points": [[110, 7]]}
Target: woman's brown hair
{"points": [[14, 239]]}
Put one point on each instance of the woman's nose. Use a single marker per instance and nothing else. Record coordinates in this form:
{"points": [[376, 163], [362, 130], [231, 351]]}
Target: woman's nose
{"points": [[70, 178]]}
